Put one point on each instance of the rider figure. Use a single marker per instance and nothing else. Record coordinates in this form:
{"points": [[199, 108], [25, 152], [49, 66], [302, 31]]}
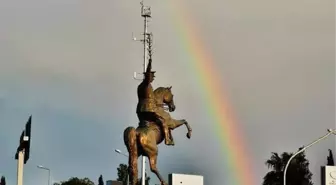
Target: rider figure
{"points": [[147, 107]]}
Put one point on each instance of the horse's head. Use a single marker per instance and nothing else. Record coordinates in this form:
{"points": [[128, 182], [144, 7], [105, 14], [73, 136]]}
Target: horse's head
{"points": [[168, 99], [165, 96]]}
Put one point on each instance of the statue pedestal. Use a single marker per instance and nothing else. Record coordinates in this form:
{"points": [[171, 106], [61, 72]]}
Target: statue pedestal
{"points": [[185, 179]]}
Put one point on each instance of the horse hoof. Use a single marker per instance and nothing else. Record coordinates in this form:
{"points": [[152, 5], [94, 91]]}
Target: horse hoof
{"points": [[188, 135]]}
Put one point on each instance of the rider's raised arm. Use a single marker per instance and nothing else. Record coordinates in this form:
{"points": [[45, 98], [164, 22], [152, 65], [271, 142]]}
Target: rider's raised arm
{"points": [[148, 71]]}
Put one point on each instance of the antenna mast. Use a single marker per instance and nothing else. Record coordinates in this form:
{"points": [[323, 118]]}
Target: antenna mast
{"points": [[147, 37], [146, 14], [147, 41]]}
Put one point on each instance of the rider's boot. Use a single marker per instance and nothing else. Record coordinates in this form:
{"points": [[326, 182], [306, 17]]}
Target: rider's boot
{"points": [[164, 126], [171, 136], [168, 138]]}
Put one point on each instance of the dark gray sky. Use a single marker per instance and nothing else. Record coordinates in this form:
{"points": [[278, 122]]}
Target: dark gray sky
{"points": [[70, 65]]}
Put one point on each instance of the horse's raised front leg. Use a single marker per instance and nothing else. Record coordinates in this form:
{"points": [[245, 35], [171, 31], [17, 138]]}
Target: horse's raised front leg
{"points": [[177, 123], [189, 129]]}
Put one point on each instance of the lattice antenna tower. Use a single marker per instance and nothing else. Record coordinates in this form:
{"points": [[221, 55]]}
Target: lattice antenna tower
{"points": [[147, 37]]}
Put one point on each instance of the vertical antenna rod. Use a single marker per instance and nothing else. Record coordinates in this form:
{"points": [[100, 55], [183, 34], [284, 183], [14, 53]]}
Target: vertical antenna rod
{"points": [[146, 14], [145, 42]]}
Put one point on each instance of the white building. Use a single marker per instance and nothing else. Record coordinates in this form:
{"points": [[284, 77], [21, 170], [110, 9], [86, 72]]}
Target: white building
{"points": [[185, 179], [111, 182], [328, 175]]}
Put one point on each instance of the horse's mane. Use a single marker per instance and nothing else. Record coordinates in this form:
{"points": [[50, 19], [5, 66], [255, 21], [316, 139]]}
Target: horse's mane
{"points": [[160, 90]]}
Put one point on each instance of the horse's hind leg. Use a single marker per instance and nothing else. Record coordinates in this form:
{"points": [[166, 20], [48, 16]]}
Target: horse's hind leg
{"points": [[130, 140], [150, 149], [133, 168], [152, 163]]}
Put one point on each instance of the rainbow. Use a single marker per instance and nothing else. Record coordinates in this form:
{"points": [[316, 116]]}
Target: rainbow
{"points": [[202, 64]]}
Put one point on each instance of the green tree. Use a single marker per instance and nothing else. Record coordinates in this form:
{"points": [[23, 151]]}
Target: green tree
{"points": [[3, 181], [298, 172], [122, 173], [100, 180], [76, 181]]}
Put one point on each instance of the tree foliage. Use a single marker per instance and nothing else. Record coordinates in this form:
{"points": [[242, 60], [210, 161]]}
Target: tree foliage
{"points": [[76, 181], [3, 181], [122, 173], [100, 180], [298, 172], [330, 159]]}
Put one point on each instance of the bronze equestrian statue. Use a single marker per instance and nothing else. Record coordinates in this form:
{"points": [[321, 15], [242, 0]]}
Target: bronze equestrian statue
{"points": [[147, 106], [154, 126]]}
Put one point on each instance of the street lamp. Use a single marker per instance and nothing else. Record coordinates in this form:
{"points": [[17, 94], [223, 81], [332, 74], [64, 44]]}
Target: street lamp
{"points": [[119, 152], [330, 131], [44, 168]]}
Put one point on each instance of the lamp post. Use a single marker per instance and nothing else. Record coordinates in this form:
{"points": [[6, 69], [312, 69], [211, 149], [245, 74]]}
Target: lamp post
{"points": [[44, 168], [119, 152], [330, 131]]}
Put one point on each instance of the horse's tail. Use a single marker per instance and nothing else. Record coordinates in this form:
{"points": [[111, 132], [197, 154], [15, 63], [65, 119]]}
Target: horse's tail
{"points": [[130, 140]]}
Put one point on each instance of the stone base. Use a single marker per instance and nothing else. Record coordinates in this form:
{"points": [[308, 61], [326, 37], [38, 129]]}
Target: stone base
{"points": [[185, 179]]}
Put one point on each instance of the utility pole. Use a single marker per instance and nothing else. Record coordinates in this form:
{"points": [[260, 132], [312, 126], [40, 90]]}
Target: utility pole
{"points": [[146, 14], [20, 165]]}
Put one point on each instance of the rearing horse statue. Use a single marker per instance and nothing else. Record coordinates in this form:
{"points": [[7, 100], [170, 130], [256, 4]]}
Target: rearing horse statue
{"points": [[144, 139]]}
